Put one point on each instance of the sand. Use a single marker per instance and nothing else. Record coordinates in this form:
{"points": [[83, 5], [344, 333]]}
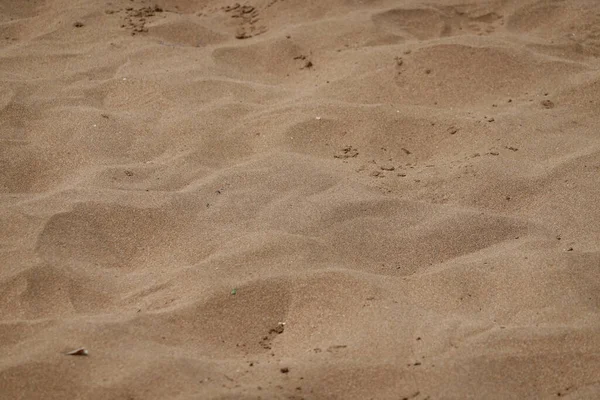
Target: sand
{"points": [[288, 199]]}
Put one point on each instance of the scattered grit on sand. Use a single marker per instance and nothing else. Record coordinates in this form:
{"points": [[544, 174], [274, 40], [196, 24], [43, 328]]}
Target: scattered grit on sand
{"points": [[299, 199]]}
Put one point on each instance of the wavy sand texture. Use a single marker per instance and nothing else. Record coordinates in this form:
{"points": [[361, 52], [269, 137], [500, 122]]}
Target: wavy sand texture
{"points": [[286, 199]]}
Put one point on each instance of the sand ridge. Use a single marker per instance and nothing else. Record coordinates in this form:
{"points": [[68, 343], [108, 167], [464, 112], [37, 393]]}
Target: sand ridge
{"points": [[284, 199]]}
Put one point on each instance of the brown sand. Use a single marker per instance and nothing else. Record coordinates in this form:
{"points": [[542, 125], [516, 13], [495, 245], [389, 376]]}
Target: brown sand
{"points": [[411, 187]]}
